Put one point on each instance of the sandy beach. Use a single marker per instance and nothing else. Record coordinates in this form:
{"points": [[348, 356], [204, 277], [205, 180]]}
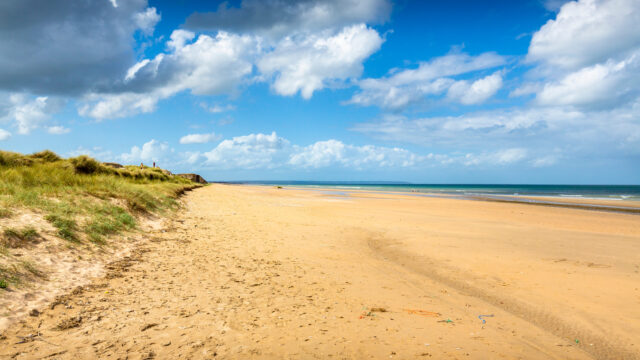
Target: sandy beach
{"points": [[260, 272]]}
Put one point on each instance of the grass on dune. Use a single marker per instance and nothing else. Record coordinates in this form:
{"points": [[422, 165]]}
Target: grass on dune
{"points": [[81, 197]]}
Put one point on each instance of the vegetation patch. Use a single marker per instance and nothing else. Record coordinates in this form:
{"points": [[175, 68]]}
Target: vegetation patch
{"points": [[66, 226], [84, 199], [15, 238], [5, 213]]}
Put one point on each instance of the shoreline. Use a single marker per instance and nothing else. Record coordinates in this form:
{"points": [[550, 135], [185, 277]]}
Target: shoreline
{"points": [[583, 203]]}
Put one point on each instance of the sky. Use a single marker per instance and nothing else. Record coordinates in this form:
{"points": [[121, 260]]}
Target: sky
{"points": [[461, 91]]}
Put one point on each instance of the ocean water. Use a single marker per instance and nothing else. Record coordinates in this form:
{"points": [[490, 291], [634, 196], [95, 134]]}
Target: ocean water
{"points": [[610, 192]]}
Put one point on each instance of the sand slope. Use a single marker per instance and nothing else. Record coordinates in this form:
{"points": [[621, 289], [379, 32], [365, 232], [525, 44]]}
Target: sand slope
{"points": [[257, 272]]}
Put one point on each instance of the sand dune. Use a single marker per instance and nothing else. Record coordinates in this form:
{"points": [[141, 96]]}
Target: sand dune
{"points": [[258, 272]]}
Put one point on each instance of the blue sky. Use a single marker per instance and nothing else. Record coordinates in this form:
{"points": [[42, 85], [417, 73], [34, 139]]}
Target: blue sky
{"points": [[421, 91]]}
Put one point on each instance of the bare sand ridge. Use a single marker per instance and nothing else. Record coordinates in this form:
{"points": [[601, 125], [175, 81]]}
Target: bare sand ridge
{"points": [[259, 272]]}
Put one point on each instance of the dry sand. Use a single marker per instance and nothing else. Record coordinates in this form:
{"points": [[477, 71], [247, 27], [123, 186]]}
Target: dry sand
{"points": [[259, 272]]}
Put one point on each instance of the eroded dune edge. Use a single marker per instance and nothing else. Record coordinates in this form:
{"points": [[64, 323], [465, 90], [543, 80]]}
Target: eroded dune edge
{"points": [[259, 272]]}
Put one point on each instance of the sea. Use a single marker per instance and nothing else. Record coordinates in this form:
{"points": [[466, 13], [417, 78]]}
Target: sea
{"points": [[603, 192]]}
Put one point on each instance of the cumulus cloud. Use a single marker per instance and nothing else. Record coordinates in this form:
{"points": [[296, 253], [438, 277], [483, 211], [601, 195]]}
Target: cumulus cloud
{"points": [[146, 20], [28, 113], [84, 50], [475, 92], [307, 64], [199, 138], [433, 78], [302, 61], [279, 18], [216, 65], [270, 151], [4, 134], [602, 85], [588, 56], [249, 152], [62, 47], [210, 65], [152, 150], [586, 32], [107, 106]]}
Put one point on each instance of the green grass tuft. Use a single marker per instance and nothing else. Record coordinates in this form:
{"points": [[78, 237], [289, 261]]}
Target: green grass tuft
{"points": [[66, 227]]}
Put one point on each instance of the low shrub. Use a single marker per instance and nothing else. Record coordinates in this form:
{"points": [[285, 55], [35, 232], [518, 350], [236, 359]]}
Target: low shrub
{"points": [[85, 165]]}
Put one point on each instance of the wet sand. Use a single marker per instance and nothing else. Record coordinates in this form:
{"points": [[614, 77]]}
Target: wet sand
{"points": [[260, 272]]}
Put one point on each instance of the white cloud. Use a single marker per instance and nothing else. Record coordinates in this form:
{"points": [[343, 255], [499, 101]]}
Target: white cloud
{"points": [[249, 152], [220, 64], [334, 152], [199, 138], [269, 151], [476, 92], [106, 106], [58, 130], [545, 131], [404, 87], [209, 66], [586, 32], [588, 56], [309, 63], [500, 157], [179, 38], [152, 150], [28, 113], [607, 84], [131, 73], [4, 134], [146, 20], [320, 154]]}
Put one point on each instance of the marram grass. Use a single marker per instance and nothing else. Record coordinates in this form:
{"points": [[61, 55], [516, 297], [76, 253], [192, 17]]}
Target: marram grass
{"points": [[83, 199]]}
